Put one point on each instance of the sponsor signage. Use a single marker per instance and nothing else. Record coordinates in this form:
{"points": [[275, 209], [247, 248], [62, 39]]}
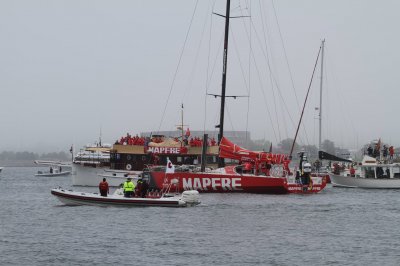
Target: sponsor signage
{"points": [[166, 150], [212, 183], [299, 188]]}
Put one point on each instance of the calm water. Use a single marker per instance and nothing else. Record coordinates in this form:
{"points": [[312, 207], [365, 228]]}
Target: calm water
{"points": [[335, 227]]}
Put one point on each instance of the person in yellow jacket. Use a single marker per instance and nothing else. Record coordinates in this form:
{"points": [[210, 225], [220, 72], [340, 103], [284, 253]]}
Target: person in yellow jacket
{"points": [[129, 187]]}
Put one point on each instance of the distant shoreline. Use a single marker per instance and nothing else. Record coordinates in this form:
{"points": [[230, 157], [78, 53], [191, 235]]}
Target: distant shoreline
{"points": [[18, 163]]}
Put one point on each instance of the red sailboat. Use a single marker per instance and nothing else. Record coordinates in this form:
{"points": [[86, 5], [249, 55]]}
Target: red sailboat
{"points": [[259, 172]]}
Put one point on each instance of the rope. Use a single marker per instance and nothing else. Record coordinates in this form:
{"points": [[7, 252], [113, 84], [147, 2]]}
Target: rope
{"points": [[177, 67]]}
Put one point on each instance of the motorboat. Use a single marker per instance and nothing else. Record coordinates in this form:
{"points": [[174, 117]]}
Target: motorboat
{"points": [[1, 169], [53, 172], [69, 197], [56, 168], [370, 173], [89, 163]]}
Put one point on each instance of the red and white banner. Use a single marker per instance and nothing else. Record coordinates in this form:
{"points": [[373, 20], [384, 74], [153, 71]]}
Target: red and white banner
{"points": [[166, 150]]}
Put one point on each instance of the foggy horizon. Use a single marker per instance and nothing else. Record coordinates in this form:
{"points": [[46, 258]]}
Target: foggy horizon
{"points": [[70, 69]]}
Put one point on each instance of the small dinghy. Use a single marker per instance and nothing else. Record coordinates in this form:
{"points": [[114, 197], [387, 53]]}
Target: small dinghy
{"points": [[69, 197]]}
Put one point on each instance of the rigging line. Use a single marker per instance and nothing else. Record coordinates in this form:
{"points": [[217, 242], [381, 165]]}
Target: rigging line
{"points": [[304, 105], [289, 69], [208, 68], [245, 82], [284, 51], [265, 99], [260, 81], [248, 6], [177, 67], [215, 62], [344, 99], [276, 83], [191, 76], [240, 62], [270, 72], [230, 119], [248, 86]]}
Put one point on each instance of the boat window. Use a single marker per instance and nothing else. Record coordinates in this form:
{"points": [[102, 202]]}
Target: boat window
{"points": [[386, 172], [396, 172], [179, 159], [369, 172], [380, 172]]}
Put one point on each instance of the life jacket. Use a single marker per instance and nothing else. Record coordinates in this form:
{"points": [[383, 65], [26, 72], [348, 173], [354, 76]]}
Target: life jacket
{"points": [[103, 186], [129, 186]]}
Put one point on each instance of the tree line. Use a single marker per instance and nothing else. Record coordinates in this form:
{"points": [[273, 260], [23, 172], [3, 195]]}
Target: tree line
{"points": [[25, 156]]}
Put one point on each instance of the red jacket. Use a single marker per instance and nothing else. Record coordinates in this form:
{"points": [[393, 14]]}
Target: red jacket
{"points": [[103, 186]]}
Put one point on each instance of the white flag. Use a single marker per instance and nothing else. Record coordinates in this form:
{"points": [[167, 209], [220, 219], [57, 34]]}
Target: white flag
{"points": [[170, 167]]}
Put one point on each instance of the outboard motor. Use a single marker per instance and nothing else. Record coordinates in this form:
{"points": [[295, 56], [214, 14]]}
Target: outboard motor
{"points": [[191, 197]]}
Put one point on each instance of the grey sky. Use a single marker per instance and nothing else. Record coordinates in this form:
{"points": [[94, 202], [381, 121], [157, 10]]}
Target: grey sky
{"points": [[69, 68]]}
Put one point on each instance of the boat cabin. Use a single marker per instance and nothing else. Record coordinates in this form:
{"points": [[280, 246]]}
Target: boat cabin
{"points": [[156, 151], [379, 171]]}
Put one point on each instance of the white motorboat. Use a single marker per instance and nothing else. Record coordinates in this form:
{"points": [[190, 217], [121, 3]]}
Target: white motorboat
{"points": [[54, 172], [69, 197], [89, 163], [371, 173], [56, 168]]}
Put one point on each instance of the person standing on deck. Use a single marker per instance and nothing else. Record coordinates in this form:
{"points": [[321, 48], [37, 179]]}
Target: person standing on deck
{"points": [[103, 187], [391, 152], [352, 171], [306, 177], [129, 187]]}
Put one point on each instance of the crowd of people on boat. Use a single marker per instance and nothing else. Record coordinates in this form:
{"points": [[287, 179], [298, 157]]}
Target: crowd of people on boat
{"points": [[198, 142], [387, 152], [144, 141], [131, 140], [130, 189]]}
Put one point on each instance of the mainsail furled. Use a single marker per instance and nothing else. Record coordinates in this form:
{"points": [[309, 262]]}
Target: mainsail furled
{"points": [[326, 156], [227, 149]]}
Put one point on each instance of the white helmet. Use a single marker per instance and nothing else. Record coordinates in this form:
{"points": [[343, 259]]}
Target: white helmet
{"points": [[307, 168]]}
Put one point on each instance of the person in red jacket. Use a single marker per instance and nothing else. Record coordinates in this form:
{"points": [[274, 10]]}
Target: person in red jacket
{"points": [[104, 189], [391, 152], [352, 171]]}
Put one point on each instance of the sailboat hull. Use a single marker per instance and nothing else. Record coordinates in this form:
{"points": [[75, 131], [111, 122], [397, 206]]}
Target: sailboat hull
{"points": [[234, 183]]}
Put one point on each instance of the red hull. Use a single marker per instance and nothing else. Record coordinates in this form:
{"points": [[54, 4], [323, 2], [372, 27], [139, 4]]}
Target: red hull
{"points": [[229, 183]]}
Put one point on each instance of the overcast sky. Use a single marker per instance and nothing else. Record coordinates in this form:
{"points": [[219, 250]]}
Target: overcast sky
{"points": [[70, 68]]}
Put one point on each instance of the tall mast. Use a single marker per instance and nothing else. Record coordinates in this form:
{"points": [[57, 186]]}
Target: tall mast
{"points": [[320, 94], [225, 65]]}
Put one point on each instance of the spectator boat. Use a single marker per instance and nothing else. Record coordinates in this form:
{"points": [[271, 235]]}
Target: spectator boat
{"points": [[167, 198], [371, 173], [90, 162], [56, 168], [130, 155], [69, 197]]}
